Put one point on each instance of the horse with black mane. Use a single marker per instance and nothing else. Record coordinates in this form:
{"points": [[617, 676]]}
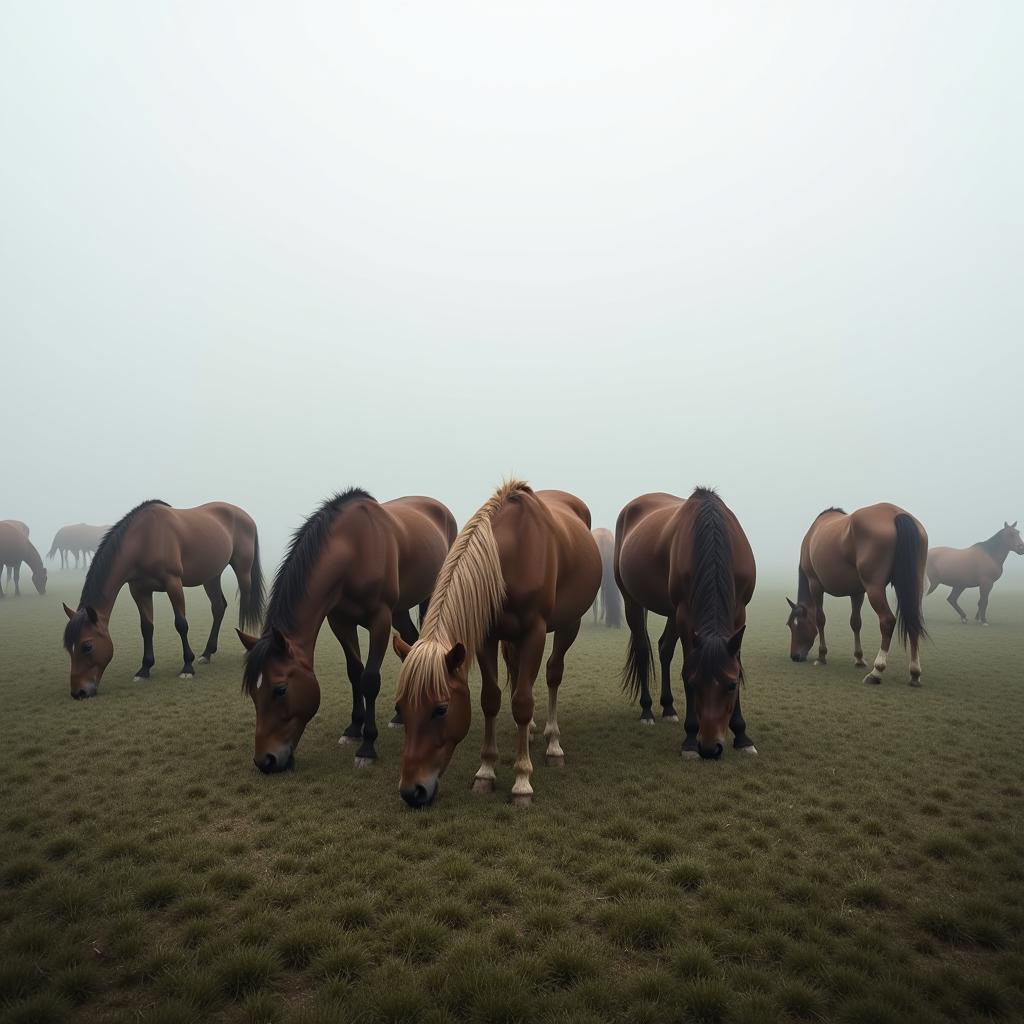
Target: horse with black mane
{"points": [[354, 562], [689, 560], [158, 548]]}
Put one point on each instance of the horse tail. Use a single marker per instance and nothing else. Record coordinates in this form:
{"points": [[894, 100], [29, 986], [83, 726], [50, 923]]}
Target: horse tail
{"points": [[611, 599], [639, 659], [53, 546], [250, 609], [905, 576]]}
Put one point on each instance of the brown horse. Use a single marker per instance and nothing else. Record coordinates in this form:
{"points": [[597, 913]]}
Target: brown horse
{"points": [[15, 548], [159, 548], [689, 560], [354, 562], [609, 601], [853, 555], [523, 566], [80, 540], [980, 565]]}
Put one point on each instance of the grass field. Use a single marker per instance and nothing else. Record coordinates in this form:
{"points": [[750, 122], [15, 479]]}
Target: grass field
{"points": [[867, 867]]}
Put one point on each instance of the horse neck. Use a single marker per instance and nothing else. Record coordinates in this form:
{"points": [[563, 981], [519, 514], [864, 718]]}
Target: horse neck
{"points": [[109, 587], [322, 590], [32, 557]]}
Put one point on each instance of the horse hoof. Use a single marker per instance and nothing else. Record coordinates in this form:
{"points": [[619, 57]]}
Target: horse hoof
{"points": [[984, 623], [860, 663], [690, 755], [748, 750], [647, 721], [204, 660], [364, 762], [670, 718], [344, 740], [138, 679], [554, 760], [915, 680], [820, 661], [873, 679], [396, 725], [522, 799], [186, 675], [482, 786]]}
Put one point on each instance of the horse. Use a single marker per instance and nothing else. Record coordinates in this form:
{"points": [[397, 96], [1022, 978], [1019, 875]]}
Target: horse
{"points": [[158, 548], [609, 602], [689, 560], [523, 566], [15, 548], [79, 540], [354, 562], [850, 555], [980, 565]]}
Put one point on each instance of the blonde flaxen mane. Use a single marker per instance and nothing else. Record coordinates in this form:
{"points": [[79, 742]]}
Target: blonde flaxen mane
{"points": [[467, 598]]}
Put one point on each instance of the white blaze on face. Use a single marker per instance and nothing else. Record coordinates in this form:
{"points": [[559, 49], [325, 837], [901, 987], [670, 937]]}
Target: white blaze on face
{"points": [[259, 681]]}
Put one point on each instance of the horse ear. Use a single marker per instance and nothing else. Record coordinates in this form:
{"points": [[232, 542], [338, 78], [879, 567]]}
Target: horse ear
{"points": [[1013, 525], [792, 606], [248, 642], [280, 640], [736, 640], [402, 649], [454, 658], [68, 612], [91, 612]]}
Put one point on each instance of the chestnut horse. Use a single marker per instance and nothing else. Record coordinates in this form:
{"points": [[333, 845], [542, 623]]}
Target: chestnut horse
{"points": [[523, 566], [354, 562], [853, 555], [15, 548], [80, 540], [609, 601], [980, 565], [689, 560], [159, 548]]}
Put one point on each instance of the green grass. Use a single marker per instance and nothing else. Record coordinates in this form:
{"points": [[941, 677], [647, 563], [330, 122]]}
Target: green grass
{"points": [[867, 867]]}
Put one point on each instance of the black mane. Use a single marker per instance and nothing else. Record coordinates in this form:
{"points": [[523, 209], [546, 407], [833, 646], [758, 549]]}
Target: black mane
{"points": [[993, 545], [292, 577], [102, 565], [831, 508]]}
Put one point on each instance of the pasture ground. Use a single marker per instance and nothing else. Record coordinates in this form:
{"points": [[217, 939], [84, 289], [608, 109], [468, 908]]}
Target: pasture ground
{"points": [[867, 867]]}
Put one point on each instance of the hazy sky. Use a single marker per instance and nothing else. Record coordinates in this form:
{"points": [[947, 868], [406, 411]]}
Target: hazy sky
{"points": [[259, 252]]}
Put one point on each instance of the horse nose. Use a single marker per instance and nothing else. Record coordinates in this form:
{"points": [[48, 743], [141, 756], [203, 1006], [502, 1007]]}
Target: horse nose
{"points": [[84, 691], [416, 796], [266, 764], [796, 657], [710, 753]]}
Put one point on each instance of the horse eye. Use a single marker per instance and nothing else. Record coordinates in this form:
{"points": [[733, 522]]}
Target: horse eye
{"points": [[731, 687], [87, 648], [280, 691], [440, 711]]}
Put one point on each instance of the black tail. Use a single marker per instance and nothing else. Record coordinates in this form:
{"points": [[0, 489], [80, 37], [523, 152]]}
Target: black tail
{"points": [[53, 547], [611, 599], [639, 659], [905, 576], [250, 609]]}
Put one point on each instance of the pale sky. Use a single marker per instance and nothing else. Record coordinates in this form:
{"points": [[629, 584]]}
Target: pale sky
{"points": [[260, 252]]}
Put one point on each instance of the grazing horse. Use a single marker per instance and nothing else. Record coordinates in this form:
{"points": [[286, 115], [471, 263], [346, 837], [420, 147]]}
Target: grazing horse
{"points": [[609, 602], [980, 565], [159, 548], [80, 540], [853, 555], [523, 566], [689, 560], [15, 548], [354, 562]]}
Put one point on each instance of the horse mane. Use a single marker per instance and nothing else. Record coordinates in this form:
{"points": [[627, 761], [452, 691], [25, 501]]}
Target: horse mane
{"points": [[714, 587], [803, 586], [467, 598], [100, 568], [292, 577], [993, 545], [831, 508]]}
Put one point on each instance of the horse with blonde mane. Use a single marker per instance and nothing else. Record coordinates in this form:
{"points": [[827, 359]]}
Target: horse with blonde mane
{"points": [[523, 566]]}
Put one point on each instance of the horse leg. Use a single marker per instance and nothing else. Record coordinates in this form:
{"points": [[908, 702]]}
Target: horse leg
{"points": [[953, 598], [218, 605], [17, 579], [666, 648], [402, 620], [886, 625], [637, 622], [369, 685], [986, 589], [530, 651], [144, 600], [554, 756], [348, 637], [741, 741], [176, 593], [490, 703], [2, 594], [856, 603], [818, 606]]}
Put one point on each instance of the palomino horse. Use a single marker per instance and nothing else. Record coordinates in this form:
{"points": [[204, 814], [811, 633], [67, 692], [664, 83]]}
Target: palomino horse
{"points": [[80, 540], [15, 548], [159, 548], [354, 562], [609, 601], [980, 565], [523, 566], [850, 555], [689, 560]]}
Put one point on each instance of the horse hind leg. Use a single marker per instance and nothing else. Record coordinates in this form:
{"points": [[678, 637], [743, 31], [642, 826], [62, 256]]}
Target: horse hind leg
{"points": [[530, 654], [954, 598], [218, 605], [886, 625], [666, 649], [144, 601], [554, 756], [856, 603]]}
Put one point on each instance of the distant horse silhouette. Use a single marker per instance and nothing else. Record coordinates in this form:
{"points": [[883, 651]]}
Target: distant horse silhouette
{"points": [[354, 562], [523, 566], [608, 604], [848, 556], [689, 560], [159, 548], [15, 548], [80, 540], [980, 565]]}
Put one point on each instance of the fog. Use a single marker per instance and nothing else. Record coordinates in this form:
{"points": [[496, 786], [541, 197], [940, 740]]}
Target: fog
{"points": [[260, 252]]}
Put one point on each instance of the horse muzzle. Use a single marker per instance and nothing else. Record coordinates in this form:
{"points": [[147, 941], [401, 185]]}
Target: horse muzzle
{"points": [[420, 794], [272, 764], [85, 690]]}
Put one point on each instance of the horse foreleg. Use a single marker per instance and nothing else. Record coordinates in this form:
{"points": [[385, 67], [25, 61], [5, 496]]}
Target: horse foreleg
{"points": [[666, 648], [738, 726], [490, 704], [369, 685], [886, 625], [402, 620], [176, 593], [953, 599], [218, 605], [17, 579], [856, 603], [144, 600], [348, 637], [986, 589], [530, 654]]}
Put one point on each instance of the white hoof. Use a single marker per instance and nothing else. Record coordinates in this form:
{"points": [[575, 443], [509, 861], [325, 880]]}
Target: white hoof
{"points": [[186, 675], [395, 725], [670, 718], [647, 721], [344, 740], [204, 660], [691, 755], [138, 679], [818, 661], [364, 762], [748, 750]]}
